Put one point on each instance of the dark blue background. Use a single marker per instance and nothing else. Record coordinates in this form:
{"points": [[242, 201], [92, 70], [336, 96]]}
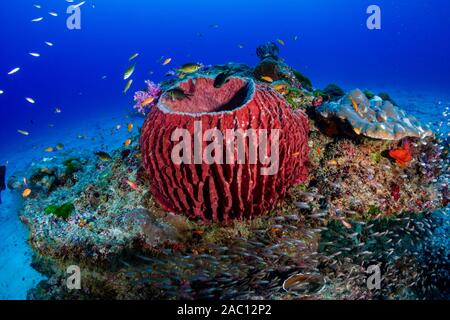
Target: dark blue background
{"points": [[334, 45]]}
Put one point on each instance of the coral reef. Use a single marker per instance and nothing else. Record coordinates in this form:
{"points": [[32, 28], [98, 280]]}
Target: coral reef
{"points": [[330, 228], [366, 201], [360, 179], [224, 189], [94, 218], [376, 118]]}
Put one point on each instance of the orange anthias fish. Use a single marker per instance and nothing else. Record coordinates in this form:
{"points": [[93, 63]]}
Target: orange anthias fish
{"points": [[26, 193], [267, 79], [147, 101], [355, 105], [402, 156]]}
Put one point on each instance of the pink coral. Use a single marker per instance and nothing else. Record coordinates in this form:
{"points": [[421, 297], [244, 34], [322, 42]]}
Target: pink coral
{"points": [[145, 100]]}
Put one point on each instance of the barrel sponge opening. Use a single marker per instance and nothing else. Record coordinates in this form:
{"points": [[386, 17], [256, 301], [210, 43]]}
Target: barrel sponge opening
{"points": [[203, 97]]}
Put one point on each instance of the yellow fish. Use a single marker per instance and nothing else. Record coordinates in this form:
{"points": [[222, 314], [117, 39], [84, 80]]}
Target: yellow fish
{"points": [[267, 79], [281, 42], [128, 86], [26, 193], [49, 149], [130, 127], [167, 61], [332, 163], [190, 68], [127, 143], [103, 156], [129, 72], [279, 87]]}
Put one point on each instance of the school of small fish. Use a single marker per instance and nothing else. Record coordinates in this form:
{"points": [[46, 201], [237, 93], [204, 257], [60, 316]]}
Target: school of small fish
{"points": [[35, 54]]}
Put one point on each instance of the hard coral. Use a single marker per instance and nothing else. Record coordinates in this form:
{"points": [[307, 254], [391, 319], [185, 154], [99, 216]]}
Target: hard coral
{"points": [[376, 118], [219, 191]]}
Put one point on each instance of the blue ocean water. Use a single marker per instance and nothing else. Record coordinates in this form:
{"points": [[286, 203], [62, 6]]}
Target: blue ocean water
{"points": [[82, 73], [334, 45]]}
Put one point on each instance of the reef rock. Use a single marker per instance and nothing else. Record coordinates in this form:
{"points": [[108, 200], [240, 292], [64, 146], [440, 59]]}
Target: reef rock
{"points": [[333, 92], [375, 118], [268, 50], [223, 190], [273, 67], [276, 70]]}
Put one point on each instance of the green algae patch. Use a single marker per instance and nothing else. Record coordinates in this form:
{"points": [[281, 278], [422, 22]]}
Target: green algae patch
{"points": [[62, 212], [375, 157], [374, 210], [72, 165]]}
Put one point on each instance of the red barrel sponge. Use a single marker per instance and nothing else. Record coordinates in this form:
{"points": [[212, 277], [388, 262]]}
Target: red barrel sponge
{"points": [[223, 153]]}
